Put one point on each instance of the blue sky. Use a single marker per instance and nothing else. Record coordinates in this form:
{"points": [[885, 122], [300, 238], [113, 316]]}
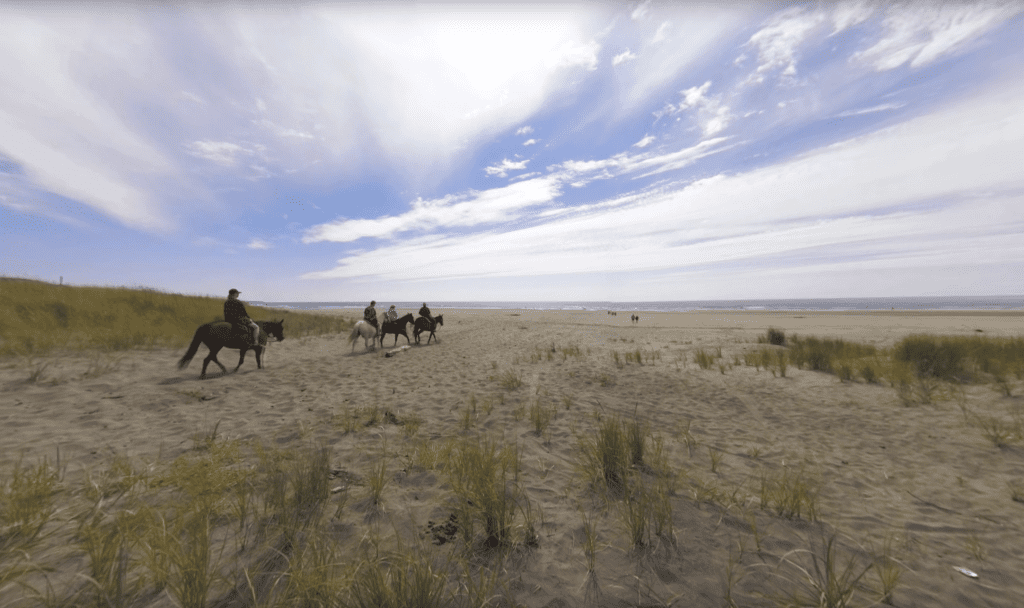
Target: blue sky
{"points": [[594, 151]]}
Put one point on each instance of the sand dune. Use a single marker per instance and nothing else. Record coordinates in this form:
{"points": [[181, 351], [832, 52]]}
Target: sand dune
{"points": [[916, 475]]}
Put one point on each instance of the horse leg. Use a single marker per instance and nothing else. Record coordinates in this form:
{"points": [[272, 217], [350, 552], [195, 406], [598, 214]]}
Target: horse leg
{"points": [[212, 357], [259, 357], [241, 358]]}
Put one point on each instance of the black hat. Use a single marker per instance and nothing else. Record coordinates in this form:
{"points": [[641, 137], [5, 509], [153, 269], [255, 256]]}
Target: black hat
{"points": [[233, 291]]}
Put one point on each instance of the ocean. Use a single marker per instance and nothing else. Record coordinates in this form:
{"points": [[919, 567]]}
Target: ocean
{"points": [[814, 304]]}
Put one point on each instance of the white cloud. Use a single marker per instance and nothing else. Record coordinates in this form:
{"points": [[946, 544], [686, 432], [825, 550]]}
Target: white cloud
{"points": [[712, 115], [885, 107], [524, 130], [941, 188], [58, 124], [777, 42], [623, 163], [662, 34], [646, 141], [529, 142], [257, 243], [221, 152], [622, 57], [848, 14], [640, 11], [923, 32], [658, 65], [471, 209], [283, 131], [694, 95], [524, 175], [331, 82], [501, 169]]}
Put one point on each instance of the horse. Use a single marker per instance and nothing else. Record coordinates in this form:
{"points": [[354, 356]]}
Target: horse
{"points": [[423, 324], [367, 332], [221, 334], [396, 327]]}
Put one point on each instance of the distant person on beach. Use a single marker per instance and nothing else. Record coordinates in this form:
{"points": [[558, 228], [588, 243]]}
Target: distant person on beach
{"points": [[391, 315], [370, 314], [236, 315], [425, 312]]}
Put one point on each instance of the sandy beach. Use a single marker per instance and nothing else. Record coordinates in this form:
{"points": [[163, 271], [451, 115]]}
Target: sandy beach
{"points": [[918, 477]]}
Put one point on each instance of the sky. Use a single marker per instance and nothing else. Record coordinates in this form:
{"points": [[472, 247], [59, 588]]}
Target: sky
{"points": [[596, 151]]}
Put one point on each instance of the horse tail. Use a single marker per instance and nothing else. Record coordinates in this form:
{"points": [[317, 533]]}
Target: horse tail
{"points": [[192, 349], [355, 334]]}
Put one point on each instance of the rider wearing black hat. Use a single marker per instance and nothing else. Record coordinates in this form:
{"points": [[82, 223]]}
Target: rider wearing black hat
{"points": [[236, 315]]}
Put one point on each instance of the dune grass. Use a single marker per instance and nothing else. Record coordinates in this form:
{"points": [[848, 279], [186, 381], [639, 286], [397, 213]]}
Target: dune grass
{"points": [[37, 318], [921, 367], [485, 478], [791, 494], [822, 576], [231, 522]]}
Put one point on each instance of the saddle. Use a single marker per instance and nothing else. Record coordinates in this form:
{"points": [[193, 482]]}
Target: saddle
{"points": [[243, 333]]}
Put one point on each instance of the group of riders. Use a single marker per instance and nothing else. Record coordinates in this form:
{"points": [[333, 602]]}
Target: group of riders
{"points": [[236, 315], [370, 314]]}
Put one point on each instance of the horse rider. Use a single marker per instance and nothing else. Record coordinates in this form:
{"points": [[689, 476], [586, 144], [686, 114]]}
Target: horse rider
{"points": [[236, 315], [425, 312], [370, 315], [391, 315]]}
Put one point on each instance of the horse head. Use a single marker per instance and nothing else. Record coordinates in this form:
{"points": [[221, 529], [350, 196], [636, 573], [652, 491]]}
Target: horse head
{"points": [[408, 318], [439, 319], [275, 328]]}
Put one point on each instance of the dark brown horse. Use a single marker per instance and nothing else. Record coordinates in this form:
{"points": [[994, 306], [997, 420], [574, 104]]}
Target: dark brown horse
{"points": [[423, 324], [221, 334], [396, 327]]}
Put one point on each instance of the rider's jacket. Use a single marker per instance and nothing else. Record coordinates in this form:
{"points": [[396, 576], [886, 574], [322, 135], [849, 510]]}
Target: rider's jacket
{"points": [[391, 316], [370, 314], [425, 312], [234, 312]]}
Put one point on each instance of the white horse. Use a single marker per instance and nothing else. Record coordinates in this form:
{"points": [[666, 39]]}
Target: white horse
{"points": [[367, 332]]}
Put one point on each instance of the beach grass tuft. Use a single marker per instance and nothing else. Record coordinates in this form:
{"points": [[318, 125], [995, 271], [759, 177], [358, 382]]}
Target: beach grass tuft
{"points": [[791, 494]]}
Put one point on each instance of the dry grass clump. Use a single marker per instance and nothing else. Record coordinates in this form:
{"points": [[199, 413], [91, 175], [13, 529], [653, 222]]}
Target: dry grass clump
{"points": [[774, 336], [774, 360], [37, 317], [605, 456], [826, 354], [705, 359], [541, 416], [27, 502], [997, 429], [617, 460], [790, 494], [823, 576], [485, 478], [510, 379]]}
